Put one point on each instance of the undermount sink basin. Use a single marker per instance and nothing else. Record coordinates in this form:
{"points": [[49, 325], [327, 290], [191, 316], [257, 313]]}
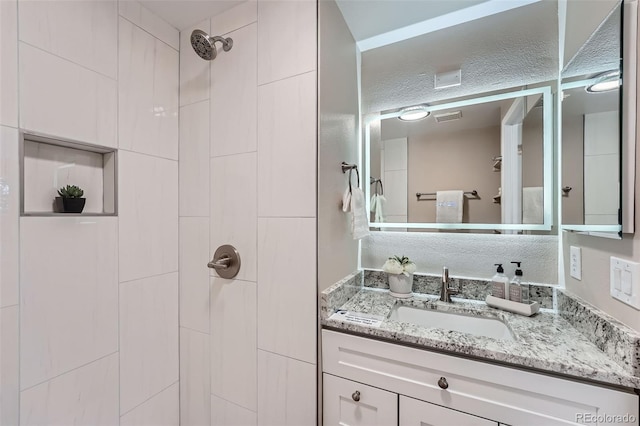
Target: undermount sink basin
{"points": [[479, 326]]}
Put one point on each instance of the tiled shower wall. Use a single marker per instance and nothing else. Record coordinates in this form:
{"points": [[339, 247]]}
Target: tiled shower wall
{"points": [[248, 178], [89, 318]]}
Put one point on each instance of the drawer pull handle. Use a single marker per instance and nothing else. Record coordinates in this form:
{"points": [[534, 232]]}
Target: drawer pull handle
{"points": [[443, 383], [356, 396]]}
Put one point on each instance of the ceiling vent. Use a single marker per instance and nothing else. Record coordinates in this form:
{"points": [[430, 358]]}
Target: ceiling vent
{"points": [[447, 116]]}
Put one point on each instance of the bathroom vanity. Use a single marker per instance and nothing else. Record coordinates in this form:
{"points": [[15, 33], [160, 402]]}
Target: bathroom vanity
{"points": [[380, 367]]}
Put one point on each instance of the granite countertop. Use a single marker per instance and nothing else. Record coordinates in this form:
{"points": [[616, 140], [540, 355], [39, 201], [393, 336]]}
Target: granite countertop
{"points": [[545, 341]]}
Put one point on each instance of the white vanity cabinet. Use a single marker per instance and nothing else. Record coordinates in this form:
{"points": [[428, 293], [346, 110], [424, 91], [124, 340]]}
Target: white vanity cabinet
{"points": [[439, 389], [351, 403], [414, 412]]}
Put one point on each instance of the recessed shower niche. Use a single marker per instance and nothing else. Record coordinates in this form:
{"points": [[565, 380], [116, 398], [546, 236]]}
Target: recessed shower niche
{"points": [[47, 164]]}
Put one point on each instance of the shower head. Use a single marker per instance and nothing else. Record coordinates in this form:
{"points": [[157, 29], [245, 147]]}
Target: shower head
{"points": [[205, 47]]}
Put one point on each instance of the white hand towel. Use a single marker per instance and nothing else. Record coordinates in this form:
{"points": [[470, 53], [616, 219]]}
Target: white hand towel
{"points": [[449, 206], [378, 208], [532, 205], [360, 222], [346, 200]]}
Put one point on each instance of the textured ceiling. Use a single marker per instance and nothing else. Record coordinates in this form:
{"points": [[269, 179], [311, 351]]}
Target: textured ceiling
{"points": [[511, 49], [473, 117], [601, 52]]}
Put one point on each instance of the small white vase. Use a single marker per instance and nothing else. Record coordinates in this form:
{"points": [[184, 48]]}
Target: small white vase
{"points": [[400, 285]]}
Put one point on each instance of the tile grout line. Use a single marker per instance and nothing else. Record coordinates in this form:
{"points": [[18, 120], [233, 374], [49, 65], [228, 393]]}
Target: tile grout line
{"points": [[149, 398], [286, 78], [149, 276], [69, 371], [84, 67], [288, 357], [150, 33]]}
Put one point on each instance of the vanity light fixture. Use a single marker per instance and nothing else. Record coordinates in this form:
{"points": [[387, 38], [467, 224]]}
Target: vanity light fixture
{"points": [[607, 81], [414, 113]]}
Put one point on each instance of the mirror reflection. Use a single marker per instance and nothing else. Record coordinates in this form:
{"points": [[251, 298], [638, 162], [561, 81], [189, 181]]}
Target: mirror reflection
{"points": [[591, 131], [479, 161]]}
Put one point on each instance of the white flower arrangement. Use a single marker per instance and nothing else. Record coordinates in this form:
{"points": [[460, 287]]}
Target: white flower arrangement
{"points": [[397, 265]]}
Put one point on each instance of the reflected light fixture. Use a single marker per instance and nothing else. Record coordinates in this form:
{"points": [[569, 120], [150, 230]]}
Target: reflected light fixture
{"points": [[414, 113], [605, 82]]}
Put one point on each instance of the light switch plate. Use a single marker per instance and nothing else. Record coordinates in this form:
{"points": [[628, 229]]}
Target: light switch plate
{"points": [[625, 281], [575, 262]]}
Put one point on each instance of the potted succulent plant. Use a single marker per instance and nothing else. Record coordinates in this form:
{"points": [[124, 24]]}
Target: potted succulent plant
{"points": [[71, 199], [400, 271]]}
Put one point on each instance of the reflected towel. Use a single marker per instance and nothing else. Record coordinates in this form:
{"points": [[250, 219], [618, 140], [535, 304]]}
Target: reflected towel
{"points": [[377, 207], [532, 205], [360, 221], [449, 206]]}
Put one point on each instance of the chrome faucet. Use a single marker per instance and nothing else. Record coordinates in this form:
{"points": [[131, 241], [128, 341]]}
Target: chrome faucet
{"points": [[445, 290]]}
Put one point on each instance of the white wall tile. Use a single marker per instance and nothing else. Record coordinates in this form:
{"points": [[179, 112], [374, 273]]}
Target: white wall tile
{"points": [[225, 413], [85, 396], [194, 159], [148, 213], [194, 71], [287, 295], [150, 22], [69, 297], [85, 33], [48, 167], [9, 366], [148, 93], [286, 391], [67, 100], [9, 63], [148, 338], [9, 215], [233, 341], [234, 90], [235, 18], [195, 378], [194, 274], [287, 147], [234, 210], [161, 410], [291, 24]]}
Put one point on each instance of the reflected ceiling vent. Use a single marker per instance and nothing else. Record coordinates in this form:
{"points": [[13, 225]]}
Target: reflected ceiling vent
{"points": [[447, 116]]}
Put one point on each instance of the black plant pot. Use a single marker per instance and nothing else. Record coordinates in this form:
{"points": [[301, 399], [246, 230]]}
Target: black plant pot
{"points": [[71, 205]]}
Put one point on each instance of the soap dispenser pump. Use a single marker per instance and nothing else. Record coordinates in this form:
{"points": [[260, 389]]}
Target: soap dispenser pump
{"points": [[500, 283], [518, 291]]}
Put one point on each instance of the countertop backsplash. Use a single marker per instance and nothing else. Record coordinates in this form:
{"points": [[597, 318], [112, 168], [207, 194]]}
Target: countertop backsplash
{"points": [[619, 342], [471, 289]]}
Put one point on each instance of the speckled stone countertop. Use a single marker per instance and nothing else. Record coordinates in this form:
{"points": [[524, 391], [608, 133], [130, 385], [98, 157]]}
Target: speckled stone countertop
{"points": [[545, 342]]}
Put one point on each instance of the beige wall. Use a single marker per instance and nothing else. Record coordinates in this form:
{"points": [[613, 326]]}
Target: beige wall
{"points": [[459, 160], [338, 141], [572, 170], [532, 149]]}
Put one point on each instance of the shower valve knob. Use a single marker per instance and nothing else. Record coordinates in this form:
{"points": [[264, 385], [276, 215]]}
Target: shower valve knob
{"points": [[226, 261]]}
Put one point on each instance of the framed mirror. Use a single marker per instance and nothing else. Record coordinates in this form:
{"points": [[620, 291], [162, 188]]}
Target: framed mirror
{"points": [[486, 72], [596, 137]]}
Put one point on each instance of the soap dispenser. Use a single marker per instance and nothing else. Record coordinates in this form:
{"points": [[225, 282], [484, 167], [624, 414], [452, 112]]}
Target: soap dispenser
{"points": [[500, 283], [518, 292]]}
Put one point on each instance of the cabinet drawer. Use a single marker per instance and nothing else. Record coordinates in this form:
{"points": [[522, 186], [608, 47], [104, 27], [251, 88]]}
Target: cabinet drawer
{"points": [[350, 403], [505, 394], [420, 413]]}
